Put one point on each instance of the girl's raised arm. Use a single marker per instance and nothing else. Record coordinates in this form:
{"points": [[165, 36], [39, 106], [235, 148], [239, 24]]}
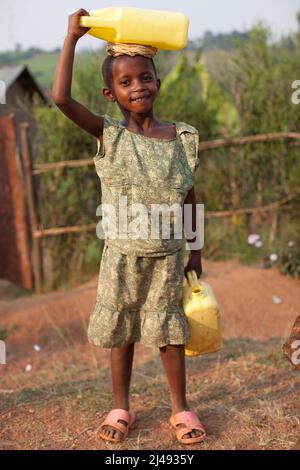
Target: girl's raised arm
{"points": [[61, 89]]}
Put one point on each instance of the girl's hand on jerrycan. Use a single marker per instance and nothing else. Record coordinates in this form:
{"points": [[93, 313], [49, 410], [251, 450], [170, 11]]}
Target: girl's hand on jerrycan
{"points": [[74, 28]]}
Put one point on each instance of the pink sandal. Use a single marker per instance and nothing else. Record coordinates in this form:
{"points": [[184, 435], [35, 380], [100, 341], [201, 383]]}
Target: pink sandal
{"points": [[112, 420], [191, 421]]}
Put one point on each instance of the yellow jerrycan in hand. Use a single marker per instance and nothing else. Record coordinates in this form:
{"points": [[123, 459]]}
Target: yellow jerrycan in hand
{"points": [[203, 314], [161, 29]]}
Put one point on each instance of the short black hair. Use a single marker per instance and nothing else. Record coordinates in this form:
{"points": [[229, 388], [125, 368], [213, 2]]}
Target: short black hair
{"points": [[108, 65]]}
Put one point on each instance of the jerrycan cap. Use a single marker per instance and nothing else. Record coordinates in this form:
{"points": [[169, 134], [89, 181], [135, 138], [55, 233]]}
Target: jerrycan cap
{"points": [[197, 289]]}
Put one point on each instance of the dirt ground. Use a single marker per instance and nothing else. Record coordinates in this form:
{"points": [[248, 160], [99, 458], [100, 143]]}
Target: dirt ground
{"points": [[247, 395]]}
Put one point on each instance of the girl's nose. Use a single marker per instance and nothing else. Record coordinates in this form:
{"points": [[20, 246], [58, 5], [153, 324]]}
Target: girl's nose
{"points": [[138, 85]]}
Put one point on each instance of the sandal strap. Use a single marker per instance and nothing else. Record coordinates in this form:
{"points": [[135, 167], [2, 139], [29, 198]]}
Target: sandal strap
{"points": [[112, 420]]}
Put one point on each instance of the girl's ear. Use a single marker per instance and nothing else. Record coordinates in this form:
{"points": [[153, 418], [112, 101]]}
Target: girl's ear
{"points": [[158, 83], [107, 93]]}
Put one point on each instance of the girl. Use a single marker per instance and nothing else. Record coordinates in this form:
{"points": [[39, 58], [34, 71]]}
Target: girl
{"points": [[139, 296]]}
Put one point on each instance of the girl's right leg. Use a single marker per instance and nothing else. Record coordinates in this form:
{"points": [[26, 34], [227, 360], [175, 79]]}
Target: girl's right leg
{"points": [[121, 367]]}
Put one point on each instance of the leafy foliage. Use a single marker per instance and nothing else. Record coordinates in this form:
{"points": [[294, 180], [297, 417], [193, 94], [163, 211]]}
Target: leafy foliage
{"points": [[290, 262]]}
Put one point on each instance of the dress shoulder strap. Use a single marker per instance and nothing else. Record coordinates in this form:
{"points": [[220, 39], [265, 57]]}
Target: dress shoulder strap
{"points": [[111, 122], [110, 128], [189, 137]]}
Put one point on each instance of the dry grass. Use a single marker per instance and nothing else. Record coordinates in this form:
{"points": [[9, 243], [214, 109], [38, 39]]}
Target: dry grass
{"points": [[247, 395]]}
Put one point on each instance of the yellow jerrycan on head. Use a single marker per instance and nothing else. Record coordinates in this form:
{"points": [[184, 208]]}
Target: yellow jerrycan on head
{"points": [[161, 29], [203, 314]]}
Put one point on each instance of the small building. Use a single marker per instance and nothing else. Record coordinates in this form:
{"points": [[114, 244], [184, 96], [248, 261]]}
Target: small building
{"points": [[20, 86]]}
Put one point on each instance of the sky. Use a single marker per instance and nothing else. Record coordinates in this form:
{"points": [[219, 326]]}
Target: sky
{"points": [[44, 23]]}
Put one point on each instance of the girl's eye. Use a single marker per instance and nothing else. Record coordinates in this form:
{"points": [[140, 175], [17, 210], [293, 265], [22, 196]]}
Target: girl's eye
{"points": [[146, 77]]}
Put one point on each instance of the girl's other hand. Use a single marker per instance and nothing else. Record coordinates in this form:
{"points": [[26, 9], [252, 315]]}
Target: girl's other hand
{"points": [[74, 28], [194, 263]]}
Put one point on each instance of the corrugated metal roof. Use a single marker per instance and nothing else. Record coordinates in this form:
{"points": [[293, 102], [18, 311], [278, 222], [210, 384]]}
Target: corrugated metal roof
{"points": [[10, 73]]}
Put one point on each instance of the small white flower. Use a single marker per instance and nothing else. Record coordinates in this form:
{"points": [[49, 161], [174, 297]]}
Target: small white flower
{"points": [[276, 299], [273, 257], [36, 347], [258, 244], [290, 243], [253, 238], [28, 368]]}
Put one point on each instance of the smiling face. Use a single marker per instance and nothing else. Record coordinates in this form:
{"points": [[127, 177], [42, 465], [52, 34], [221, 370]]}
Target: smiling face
{"points": [[134, 84]]}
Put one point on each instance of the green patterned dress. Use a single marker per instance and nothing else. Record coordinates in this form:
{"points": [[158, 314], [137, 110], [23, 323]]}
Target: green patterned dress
{"points": [[139, 294]]}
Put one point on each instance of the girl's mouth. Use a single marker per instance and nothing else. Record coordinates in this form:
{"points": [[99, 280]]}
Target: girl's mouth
{"points": [[140, 100]]}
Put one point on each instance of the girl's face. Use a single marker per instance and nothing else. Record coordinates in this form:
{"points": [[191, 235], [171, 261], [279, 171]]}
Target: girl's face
{"points": [[135, 85]]}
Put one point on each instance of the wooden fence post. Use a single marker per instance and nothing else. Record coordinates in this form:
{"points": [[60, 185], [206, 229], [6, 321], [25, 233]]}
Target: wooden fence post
{"points": [[29, 189]]}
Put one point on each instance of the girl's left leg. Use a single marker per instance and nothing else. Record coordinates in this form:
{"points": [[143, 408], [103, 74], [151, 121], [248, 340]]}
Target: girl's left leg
{"points": [[173, 359]]}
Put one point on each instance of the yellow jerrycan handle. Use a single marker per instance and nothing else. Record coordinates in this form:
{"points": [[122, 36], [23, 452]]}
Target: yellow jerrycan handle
{"points": [[93, 22], [193, 282]]}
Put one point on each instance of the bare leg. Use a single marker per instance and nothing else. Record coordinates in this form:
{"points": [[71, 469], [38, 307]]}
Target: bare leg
{"points": [[173, 360], [121, 367]]}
